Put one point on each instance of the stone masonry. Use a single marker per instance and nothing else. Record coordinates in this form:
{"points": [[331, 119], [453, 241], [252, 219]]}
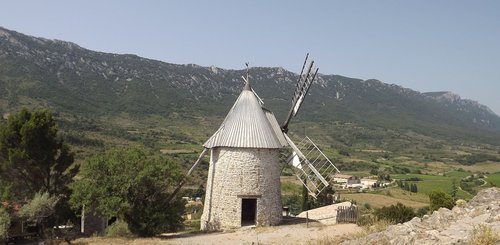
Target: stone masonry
{"points": [[237, 173]]}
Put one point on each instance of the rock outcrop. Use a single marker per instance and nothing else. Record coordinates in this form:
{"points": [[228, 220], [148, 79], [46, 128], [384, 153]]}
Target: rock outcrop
{"points": [[444, 226]]}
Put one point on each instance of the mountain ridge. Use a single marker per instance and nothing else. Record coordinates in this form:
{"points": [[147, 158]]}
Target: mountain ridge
{"points": [[67, 77]]}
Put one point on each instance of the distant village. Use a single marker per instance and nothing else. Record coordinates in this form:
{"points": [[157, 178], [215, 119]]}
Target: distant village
{"points": [[351, 182]]}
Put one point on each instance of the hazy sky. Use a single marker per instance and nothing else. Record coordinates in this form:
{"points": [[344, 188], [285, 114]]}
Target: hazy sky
{"points": [[423, 45]]}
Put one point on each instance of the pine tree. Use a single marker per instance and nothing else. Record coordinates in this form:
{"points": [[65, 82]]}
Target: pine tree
{"points": [[32, 156]]}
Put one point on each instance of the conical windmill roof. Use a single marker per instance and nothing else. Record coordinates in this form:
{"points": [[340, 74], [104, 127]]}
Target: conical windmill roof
{"points": [[247, 126]]}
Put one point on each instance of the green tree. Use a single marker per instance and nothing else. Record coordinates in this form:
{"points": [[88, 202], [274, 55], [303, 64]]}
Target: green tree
{"points": [[454, 189], [324, 198], [126, 184], [32, 157], [413, 187], [439, 199], [4, 224], [398, 213]]}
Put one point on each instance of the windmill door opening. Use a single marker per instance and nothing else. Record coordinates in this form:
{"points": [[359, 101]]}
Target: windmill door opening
{"points": [[248, 211]]}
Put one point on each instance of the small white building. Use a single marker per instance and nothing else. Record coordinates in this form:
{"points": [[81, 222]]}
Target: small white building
{"points": [[346, 179], [368, 183]]}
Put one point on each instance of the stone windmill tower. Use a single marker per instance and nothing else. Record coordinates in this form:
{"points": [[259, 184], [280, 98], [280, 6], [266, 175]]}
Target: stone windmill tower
{"points": [[243, 185]]}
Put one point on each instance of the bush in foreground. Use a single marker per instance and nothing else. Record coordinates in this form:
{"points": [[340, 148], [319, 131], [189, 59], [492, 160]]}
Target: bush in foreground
{"points": [[118, 229]]}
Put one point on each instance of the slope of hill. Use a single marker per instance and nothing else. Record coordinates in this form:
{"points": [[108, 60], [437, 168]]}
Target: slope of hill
{"points": [[105, 99]]}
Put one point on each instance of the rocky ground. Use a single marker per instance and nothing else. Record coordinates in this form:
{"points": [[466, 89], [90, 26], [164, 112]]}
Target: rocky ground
{"points": [[444, 226]]}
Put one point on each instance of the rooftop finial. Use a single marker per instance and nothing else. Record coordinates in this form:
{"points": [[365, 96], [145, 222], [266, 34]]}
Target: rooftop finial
{"points": [[247, 82]]}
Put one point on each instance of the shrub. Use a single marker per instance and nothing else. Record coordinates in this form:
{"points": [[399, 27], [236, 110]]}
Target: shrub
{"points": [[366, 220], [398, 213], [461, 203], [439, 199], [483, 235], [294, 203], [367, 206], [4, 224], [422, 211], [39, 208], [344, 153], [118, 229], [414, 178]]}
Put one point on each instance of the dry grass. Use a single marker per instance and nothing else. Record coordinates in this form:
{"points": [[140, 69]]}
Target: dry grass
{"points": [[488, 166], [333, 240], [290, 179], [483, 235], [376, 226], [378, 201], [117, 241]]}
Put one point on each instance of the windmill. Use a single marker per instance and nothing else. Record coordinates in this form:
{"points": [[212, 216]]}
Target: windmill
{"points": [[243, 184]]}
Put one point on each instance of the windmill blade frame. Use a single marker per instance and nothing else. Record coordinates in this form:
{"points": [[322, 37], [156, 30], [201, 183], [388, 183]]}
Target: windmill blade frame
{"points": [[315, 167], [301, 89]]}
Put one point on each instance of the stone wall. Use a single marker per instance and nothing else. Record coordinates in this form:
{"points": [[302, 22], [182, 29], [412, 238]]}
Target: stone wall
{"points": [[237, 173]]}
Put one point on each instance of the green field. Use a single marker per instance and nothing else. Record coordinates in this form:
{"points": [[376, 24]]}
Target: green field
{"points": [[457, 174], [443, 183], [494, 178]]}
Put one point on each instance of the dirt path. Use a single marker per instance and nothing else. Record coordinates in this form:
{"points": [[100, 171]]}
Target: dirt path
{"points": [[283, 234], [293, 230]]}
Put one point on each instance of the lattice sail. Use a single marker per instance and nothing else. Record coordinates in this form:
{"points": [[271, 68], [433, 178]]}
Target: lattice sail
{"points": [[313, 168], [301, 89]]}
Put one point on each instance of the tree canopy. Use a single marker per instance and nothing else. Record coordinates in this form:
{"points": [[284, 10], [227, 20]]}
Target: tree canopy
{"points": [[439, 199], [32, 156], [129, 185]]}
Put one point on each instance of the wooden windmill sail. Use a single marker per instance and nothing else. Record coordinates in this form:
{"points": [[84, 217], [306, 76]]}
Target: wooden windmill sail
{"points": [[313, 167]]}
